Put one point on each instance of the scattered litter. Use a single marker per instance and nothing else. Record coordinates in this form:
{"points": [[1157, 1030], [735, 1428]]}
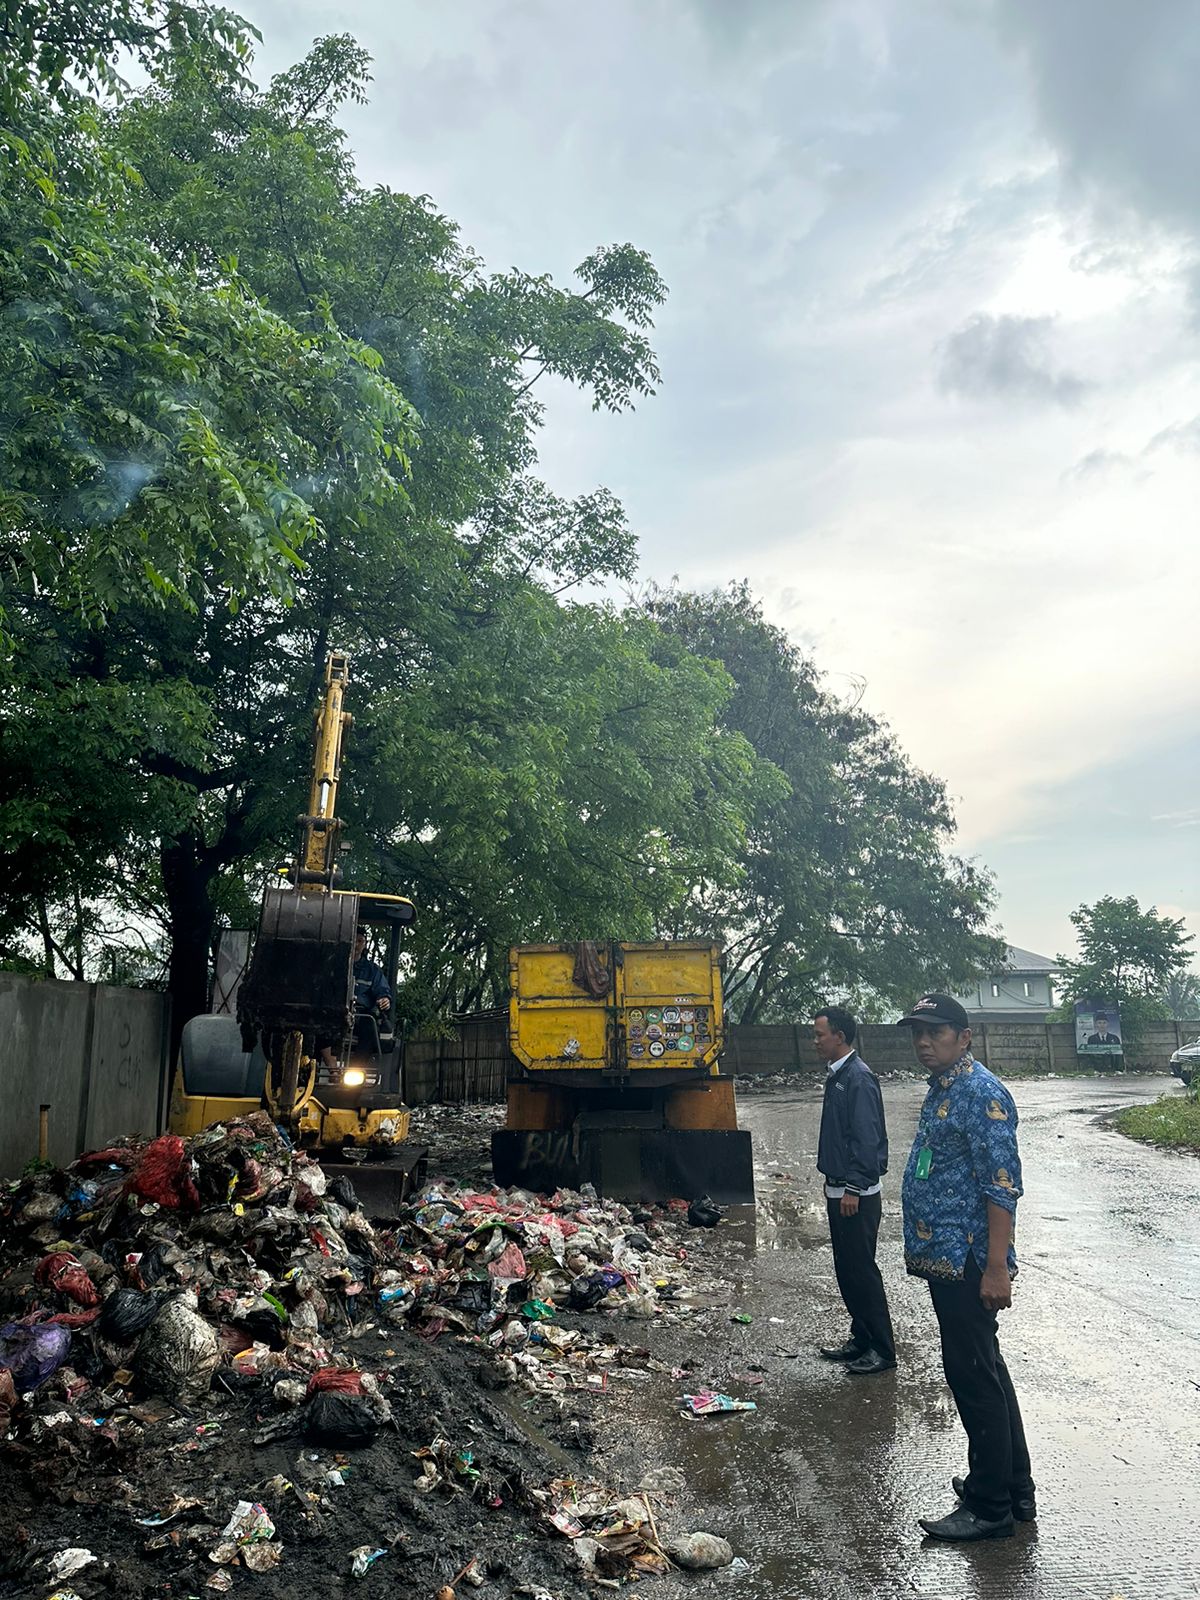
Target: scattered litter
{"points": [[68, 1562], [741, 1316], [700, 1552], [364, 1558], [179, 1298], [32, 1351], [708, 1403], [248, 1523], [703, 1213]]}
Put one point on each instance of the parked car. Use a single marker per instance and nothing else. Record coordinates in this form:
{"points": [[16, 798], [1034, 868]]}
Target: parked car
{"points": [[1185, 1063]]}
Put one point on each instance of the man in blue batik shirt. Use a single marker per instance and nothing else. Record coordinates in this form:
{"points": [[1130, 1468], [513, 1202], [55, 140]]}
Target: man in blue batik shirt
{"points": [[959, 1197]]}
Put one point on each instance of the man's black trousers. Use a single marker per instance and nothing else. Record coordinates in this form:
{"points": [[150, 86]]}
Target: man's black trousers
{"points": [[857, 1275], [997, 1455]]}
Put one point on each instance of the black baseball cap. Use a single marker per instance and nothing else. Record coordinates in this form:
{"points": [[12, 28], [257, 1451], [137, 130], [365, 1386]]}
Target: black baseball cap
{"points": [[937, 1008]]}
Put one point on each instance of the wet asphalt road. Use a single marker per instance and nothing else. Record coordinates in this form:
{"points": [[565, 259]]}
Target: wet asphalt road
{"points": [[819, 1490]]}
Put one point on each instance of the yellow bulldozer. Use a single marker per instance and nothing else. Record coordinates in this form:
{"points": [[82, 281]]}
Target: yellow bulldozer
{"points": [[329, 1072], [615, 1076]]}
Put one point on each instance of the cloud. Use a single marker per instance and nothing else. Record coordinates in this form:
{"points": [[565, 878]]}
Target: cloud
{"points": [[1189, 818], [1179, 436], [1115, 90], [1098, 464], [1004, 356]]}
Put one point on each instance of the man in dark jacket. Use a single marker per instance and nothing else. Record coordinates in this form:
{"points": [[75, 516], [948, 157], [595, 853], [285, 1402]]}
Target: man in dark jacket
{"points": [[852, 1155]]}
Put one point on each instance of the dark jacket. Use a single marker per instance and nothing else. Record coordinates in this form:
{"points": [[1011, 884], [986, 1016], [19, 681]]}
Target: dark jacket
{"points": [[853, 1150], [370, 984]]}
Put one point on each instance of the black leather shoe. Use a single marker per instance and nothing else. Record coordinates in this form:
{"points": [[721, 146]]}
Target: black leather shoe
{"points": [[1024, 1506], [842, 1352], [963, 1525], [869, 1363]]}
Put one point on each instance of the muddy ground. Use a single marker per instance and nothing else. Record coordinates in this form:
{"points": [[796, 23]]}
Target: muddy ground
{"points": [[819, 1488]]}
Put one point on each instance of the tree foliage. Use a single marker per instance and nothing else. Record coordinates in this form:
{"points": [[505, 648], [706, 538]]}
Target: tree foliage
{"points": [[1126, 955], [847, 887], [1181, 996], [49, 46]]}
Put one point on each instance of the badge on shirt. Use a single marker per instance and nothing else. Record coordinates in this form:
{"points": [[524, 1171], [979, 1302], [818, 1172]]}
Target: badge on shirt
{"points": [[924, 1162]]}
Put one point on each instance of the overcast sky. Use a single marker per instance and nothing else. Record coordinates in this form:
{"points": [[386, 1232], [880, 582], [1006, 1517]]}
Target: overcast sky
{"points": [[930, 356]]}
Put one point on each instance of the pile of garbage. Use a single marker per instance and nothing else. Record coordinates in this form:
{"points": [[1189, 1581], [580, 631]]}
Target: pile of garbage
{"points": [[152, 1284]]}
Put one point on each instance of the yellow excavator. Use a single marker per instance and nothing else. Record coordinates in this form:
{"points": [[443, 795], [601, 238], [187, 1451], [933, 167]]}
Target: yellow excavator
{"points": [[330, 1073]]}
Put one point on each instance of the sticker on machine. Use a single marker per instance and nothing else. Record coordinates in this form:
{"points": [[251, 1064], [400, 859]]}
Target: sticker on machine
{"points": [[685, 1043], [637, 1049], [657, 1047], [654, 1016], [671, 1014], [654, 1031], [637, 1016], [687, 1014]]}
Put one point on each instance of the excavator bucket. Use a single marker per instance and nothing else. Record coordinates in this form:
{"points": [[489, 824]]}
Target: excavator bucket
{"points": [[301, 977]]}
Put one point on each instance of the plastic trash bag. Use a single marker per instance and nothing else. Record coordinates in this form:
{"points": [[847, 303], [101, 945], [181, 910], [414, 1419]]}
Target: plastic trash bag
{"points": [[349, 1421], [708, 1404], [699, 1552], [65, 1274], [32, 1351], [342, 1190], [164, 1175], [335, 1380], [126, 1314], [587, 1291], [178, 1353]]}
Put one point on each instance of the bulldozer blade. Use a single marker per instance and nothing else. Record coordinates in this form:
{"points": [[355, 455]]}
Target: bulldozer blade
{"points": [[631, 1164], [383, 1186]]}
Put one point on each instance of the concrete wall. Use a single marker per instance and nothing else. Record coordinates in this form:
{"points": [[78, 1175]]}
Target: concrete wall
{"points": [[95, 1055], [472, 1062]]}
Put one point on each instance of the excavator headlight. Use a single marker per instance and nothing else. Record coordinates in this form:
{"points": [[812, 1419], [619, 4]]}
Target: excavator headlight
{"points": [[354, 1077]]}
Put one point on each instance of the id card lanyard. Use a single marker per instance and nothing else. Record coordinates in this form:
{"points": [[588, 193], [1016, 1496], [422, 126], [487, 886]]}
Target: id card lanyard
{"points": [[924, 1154]]}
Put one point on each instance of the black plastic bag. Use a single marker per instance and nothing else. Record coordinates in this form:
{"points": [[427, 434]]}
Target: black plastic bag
{"points": [[587, 1292], [342, 1190], [703, 1213], [348, 1420], [265, 1327], [126, 1314], [154, 1264]]}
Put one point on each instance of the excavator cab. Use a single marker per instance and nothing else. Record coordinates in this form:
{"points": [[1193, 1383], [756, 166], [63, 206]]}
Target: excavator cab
{"points": [[367, 1062]]}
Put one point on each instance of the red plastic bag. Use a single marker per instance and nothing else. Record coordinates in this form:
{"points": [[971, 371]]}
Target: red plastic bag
{"points": [[75, 1319], [63, 1272], [164, 1176], [509, 1264], [335, 1380]]}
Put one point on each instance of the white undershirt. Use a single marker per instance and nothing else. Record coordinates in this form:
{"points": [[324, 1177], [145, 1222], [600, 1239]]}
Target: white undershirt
{"points": [[832, 1191]]}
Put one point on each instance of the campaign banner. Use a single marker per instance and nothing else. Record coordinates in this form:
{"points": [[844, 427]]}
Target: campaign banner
{"points": [[1098, 1028]]}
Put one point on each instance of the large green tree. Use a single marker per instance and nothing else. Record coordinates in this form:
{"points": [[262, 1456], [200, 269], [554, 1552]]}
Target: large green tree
{"points": [[1127, 955], [849, 887], [517, 751]]}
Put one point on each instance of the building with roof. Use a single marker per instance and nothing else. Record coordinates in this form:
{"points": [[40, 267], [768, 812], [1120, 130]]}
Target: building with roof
{"points": [[1020, 991]]}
